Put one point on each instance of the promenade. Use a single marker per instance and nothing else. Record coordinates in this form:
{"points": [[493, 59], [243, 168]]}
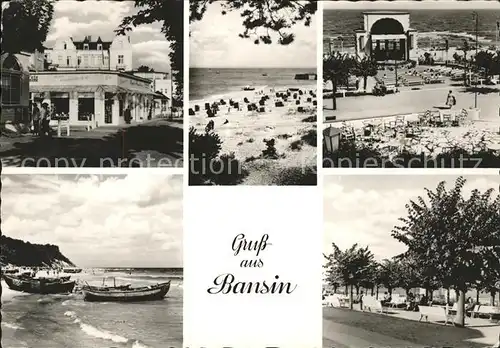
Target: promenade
{"points": [[352, 328]]}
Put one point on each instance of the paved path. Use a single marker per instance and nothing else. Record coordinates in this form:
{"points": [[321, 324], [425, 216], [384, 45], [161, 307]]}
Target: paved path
{"points": [[340, 336], [406, 102], [353, 328], [150, 144]]}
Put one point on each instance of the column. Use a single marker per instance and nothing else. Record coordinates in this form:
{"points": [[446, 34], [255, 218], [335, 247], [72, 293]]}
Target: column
{"points": [[115, 111], [98, 108], [73, 108]]}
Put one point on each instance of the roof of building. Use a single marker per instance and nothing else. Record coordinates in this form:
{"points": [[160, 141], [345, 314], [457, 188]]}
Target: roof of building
{"points": [[386, 12], [92, 44]]}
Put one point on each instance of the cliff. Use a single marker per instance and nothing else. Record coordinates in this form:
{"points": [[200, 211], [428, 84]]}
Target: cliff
{"points": [[19, 253]]}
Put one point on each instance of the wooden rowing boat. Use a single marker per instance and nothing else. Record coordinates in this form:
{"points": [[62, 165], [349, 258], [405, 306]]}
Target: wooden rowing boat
{"points": [[112, 294], [40, 285]]}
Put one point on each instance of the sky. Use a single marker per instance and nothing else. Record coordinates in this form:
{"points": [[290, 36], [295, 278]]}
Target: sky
{"points": [[101, 18], [98, 221], [214, 43], [412, 5], [364, 209]]}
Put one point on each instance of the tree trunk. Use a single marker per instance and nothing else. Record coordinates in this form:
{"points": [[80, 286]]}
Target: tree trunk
{"points": [[334, 98], [357, 290], [457, 294], [346, 289], [477, 296], [365, 81], [372, 291], [492, 298], [377, 293], [460, 317], [448, 296], [351, 304], [427, 292], [390, 291]]}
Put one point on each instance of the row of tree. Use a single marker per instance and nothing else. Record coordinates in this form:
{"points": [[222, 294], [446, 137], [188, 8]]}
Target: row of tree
{"points": [[337, 67], [453, 243]]}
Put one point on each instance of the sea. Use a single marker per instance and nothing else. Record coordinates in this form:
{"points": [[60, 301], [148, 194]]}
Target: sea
{"points": [[207, 82], [66, 321], [456, 25]]}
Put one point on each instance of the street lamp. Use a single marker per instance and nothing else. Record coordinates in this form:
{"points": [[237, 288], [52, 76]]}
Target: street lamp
{"points": [[331, 139], [476, 17]]}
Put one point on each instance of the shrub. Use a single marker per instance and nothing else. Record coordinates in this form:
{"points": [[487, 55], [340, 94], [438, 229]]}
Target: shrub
{"points": [[226, 170], [296, 145], [310, 137], [295, 176], [270, 151]]}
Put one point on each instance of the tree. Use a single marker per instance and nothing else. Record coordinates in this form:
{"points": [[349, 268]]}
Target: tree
{"points": [[364, 68], [336, 69], [255, 14], [408, 274], [458, 238], [389, 274], [261, 17], [466, 49], [351, 267], [25, 25], [145, 68]]}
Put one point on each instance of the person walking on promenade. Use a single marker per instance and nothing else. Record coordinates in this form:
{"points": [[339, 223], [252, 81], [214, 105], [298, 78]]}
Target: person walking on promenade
{"points": [[450, 100], [36, 120]]}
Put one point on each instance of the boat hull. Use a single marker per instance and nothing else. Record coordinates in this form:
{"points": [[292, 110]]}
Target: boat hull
{"points": [[39, 286], [153, 293]]}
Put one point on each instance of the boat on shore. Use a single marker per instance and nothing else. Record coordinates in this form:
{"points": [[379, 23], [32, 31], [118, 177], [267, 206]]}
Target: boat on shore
{"points": [[145, 293], [40, 285], [249, 88], [72, 270]]}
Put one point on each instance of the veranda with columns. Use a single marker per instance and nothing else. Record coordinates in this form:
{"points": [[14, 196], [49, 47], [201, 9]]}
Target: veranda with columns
{"points": [[96, 97]]}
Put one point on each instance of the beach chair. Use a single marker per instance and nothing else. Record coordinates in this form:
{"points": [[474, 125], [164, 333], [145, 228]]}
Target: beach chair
{"points": [[447, 119]]}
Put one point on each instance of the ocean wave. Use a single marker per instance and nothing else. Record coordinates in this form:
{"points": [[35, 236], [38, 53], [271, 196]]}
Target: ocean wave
{"points": [[105, 335], [95, 332], [74, 303], [138, 344], [12, 326]]}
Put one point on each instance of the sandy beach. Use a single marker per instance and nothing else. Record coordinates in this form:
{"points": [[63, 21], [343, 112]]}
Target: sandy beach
{"points": [[287, 115]]}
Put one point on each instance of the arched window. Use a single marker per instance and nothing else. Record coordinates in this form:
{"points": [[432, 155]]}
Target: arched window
{"points": [[387, 26], [11, 81]]}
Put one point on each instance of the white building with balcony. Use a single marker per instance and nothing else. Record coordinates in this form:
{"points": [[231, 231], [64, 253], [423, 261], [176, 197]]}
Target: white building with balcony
{"points": [[89, 54]]}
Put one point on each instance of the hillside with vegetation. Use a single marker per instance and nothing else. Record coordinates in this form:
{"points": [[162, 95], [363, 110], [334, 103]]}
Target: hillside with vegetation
{"points": [[20, 253]]}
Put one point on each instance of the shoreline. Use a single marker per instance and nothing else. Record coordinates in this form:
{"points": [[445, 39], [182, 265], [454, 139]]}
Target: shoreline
{"points": [[240, 93]]}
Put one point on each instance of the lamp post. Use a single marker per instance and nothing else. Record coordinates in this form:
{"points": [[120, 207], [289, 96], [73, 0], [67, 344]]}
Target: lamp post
{"points": [[331, 139], [476, 17]]}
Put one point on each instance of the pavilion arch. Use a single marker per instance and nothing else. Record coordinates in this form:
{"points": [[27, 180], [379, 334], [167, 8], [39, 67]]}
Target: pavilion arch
{"points": [[387, 26]]}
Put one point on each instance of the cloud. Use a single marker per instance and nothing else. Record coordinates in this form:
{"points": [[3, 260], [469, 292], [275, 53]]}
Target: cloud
{"points": [[98, 221], [220, 46], [365, 209], [101, 18]]}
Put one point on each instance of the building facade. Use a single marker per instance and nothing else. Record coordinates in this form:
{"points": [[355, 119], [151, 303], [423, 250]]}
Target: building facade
{"points": [[97, 95], [162, 84], [387, 36], [89, 54], [15, 88]]}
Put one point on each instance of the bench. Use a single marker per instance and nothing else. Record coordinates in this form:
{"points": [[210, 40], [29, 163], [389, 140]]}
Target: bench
{"points": [[489, 311], [371, 303], [441, 312]]}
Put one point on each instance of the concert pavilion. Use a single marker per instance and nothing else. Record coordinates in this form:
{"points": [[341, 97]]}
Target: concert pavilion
{"points": [[387, 36]]}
